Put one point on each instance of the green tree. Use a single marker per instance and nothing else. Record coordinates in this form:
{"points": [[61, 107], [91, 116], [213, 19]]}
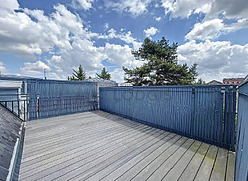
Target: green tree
{"points": [[160, 66], [104, 74], [200, 82], [78, 75]]}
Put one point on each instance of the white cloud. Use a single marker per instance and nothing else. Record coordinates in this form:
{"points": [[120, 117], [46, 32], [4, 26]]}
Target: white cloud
{"points": [[231, 9], [120, 55], [158, 18], [2, 68], [206, 30], [36, 68], [185, 8], [62, 35], [211, 29], [124, 36], [215, 12], [215, 60], [26, 38], [133, 7], [106, 26], [150, 31], [85, 4], [83, 53], [118, 75]]}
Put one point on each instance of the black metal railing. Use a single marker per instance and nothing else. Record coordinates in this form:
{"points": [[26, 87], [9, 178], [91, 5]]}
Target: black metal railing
{"points": [[16, 103]]}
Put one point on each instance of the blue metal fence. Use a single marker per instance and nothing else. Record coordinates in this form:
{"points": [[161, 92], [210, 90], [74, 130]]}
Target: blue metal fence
{"points": [[206, 113], [241, 169], [48, 98]]}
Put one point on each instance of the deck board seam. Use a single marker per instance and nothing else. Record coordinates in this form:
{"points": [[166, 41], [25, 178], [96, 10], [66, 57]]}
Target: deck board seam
{"points": [[213, 164], [90, 134], [156, 158], [121, 136], [226, 166], [189, 162], [99, 139], [96, 158], [138, 154], [65, 140], [178, 160], [148, 156], [201, 163], [165, 160], [130, 151]]}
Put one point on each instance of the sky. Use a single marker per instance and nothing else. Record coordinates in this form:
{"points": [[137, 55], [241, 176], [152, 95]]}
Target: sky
{"points": [[57, 36]]}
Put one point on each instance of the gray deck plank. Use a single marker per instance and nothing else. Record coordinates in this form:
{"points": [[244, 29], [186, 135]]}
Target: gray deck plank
{"points": [[131, 172], [219, 170], [115, 170], [152, 167], [80, 144], [75, 138], [178, 169], [230, 166], [191, 169], [100, 146], [110, 157], [65, 132], [77, 160], [169, 163], [66, 154], [113, 164], [205, 170]]}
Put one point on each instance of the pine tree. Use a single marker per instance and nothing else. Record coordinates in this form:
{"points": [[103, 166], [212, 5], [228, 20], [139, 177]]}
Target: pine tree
{"points": [[161, 66], [104, 74], [78, 75]]}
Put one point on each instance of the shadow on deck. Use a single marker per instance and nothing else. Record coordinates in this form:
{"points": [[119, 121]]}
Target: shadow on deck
{"points": [[101, 146]]}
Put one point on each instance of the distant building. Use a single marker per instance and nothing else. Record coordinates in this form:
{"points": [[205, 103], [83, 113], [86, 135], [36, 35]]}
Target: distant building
{"points": [[103, 82], [125, 84], [214, 82], [9, 90], [232, 81]]}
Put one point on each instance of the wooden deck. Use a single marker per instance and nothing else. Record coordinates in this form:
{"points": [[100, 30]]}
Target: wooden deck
{"points": [[101, 146]]}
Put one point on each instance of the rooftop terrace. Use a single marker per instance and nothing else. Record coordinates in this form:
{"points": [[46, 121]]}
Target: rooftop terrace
{"points": [[100, 146]]}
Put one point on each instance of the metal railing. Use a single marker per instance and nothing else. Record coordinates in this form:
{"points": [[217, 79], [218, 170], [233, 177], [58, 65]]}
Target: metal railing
{"points": [[16, 103]]}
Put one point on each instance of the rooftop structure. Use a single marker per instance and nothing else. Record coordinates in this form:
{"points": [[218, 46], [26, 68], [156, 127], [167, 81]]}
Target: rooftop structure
{"points": [[214, 82], [232, 81]]}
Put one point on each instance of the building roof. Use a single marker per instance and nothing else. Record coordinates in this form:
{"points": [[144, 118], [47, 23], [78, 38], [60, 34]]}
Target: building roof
{"points": [[9, 132], [233, 79], [214, 82], [103, 82], [10, 84]]}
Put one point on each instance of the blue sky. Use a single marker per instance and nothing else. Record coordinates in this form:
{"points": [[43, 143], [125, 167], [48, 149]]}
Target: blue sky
{"points": [[59, 35]]}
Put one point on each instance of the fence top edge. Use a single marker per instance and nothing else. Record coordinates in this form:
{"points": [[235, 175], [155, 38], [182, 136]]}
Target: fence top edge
{"points": [[244, 82], [164, 87]]}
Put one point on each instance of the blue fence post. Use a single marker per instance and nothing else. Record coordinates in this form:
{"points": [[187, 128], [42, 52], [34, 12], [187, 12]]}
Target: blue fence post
{"points": [[241, 165], [229, 117], [32, 88]]}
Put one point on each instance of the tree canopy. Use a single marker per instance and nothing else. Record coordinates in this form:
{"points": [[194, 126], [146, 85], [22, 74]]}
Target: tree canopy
{"points": [[78, 74], [160, 66], [104, 74]]}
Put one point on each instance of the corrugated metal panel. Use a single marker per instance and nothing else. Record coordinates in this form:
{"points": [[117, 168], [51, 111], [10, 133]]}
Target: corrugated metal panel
{"points": [[193, 111], [241, 169], [49, 98]]}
